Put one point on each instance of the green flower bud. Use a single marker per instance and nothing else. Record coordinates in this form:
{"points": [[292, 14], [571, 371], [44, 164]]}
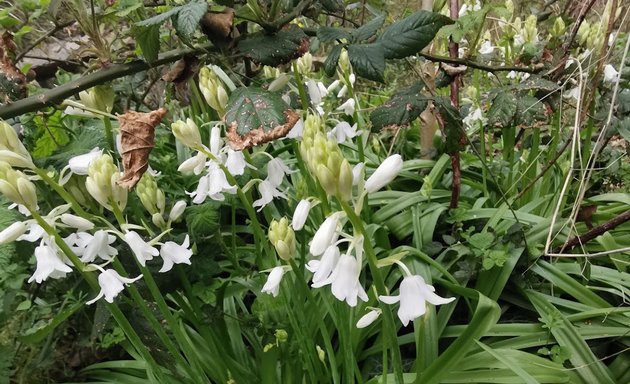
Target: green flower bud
{"points": [[321, 354], [530, 32], [213, 90], [281, 336], [102, 182], [187, 132], [305, 63], [583, 32], [344, 63], [12, 150], [282, 237], [77, 189], [17, 187], [100, 97], [151, 197], [558, 28]]}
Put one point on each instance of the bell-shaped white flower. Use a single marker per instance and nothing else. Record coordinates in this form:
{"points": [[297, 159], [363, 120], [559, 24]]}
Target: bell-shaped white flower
{"points": [[100, 246], [347, 107], [268, 191], [79, 164], [12, 232], [276, 170], [140, 248], [178, 209], [34, 233], [77, 222], [78, 242], [272, 286], [474, 118], [173, 253], [344, 281], [384, 174], [214, 184], [49, 264], [322, 269], [316, 92], [235, 162], [215, 140], [368, 318], [195, 164], [610, 74], [325, 235], [413, 298], [111, 284], [343, 131], [300, 214], [486, 48], [357, 173]]}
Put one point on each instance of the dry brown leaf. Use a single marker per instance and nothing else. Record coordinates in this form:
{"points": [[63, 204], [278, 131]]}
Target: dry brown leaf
{"points": [[137, 140], [13, 83], [182, 70], [259, 135], [218, 26]]}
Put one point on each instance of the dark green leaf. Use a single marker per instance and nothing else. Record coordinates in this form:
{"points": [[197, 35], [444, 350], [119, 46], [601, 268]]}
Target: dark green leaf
{"points": [[537, 83], [188, 17], [38, 334], [453, 126], [502, 111], [401, 109], [368, 30], [256, 116], [328, 34], [410, 35], [331, 61], [530, 112], [332, 5], [367, 60], [159, 19], [148, 39], [276, 49]]}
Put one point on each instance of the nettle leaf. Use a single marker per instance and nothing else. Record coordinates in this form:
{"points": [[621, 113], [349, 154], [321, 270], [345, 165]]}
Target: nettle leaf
{"points": [[367, 60], [328, 34], [159, 19], [275, 49], [331, 61], [148, 39], [531, 112], [188, 17], [502, 111], [368, 30], [451, 122], [401, 109], [410, 35], [255, 116]]}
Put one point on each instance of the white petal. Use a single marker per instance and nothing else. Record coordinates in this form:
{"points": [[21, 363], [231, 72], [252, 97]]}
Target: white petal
{"points": [[368, 318], [12, 232], [384, 174], [300, 215]]}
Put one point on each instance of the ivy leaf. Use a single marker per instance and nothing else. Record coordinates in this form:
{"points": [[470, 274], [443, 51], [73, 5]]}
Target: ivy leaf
{"points": [[148, 39], [188, 17], [367, 60], [331, 61], [502, 110], [411, 34], [279, 48], [368, 30], [255, 116], [401, 109], [159, 19], [328, 34]]}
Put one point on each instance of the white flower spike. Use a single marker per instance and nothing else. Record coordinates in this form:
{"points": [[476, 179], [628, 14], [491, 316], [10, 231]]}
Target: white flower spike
{"points": [[173, 253]]}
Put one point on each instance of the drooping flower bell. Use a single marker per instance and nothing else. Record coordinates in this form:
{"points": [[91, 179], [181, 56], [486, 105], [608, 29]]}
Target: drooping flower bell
{"points": [[49, 264], [344, 281], [111, 284], [173, 253], [325, 235], [100, 245], [300, 214], [282, 237], [140, 248], [272, 286], [384, 174]]}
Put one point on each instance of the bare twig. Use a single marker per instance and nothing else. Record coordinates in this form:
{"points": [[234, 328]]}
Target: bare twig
{"points": [[593, 233], [453, 52], [488, 68], [58, 94]]}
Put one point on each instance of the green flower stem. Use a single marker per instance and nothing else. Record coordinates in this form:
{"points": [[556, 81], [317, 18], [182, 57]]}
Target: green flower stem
{"points": [[162, 305], [300, 86], [62, 192], [389, 324], [109, 133], [113, 308]]}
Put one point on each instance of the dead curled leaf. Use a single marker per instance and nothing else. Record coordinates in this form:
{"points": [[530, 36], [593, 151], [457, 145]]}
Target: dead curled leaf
{"points": [[259, 135], [137, 140]]}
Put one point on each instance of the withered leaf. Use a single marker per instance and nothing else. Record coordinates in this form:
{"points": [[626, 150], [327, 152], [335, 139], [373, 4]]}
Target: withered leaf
{"points": [[137, 140], [219, 27], [13, 83], [182, 70]]}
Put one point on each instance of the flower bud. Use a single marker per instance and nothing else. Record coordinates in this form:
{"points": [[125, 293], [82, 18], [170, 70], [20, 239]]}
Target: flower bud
{"points": [[368, 318], [102, 182], [325, 235], [583, 32], [283, 238], [344, 62], [17, 187], [187, 132], [100, 97], [558, 28], [213, 90], [177, 210], [12, 150], [530, 32], [384, 174], [281, 336], [12, 232], [271, 72], [300, 215], [77, 222], [158, 220], [151, 197], [305, 63], [279, 83]]}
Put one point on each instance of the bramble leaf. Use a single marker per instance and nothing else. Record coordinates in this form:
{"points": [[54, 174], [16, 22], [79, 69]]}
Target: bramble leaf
{"points": [[411, 34], [188, 17], [367, 60], [401, 109], [275, 49], [502, 110]]}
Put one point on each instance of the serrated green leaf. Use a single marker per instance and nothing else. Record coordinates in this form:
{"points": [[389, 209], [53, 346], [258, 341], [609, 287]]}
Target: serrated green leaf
{"points": [[530, 112], [537, 83], [368, 30], [328, 34], [188, 17], [502, 111], [401, 109], [367, 60], [275, 49], [255, 109], [332, 5], [453, 124], [202, 220], [159, 19], [410, 35], [148, 39], [330, 65], [53, 135], [481, 240]]}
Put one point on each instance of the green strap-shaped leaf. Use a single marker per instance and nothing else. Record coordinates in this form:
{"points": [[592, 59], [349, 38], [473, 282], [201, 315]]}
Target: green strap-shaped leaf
{"points": [[410, 35], [367, 60], [502, 111], [401, 109], [275, 49], [256, 116]]}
